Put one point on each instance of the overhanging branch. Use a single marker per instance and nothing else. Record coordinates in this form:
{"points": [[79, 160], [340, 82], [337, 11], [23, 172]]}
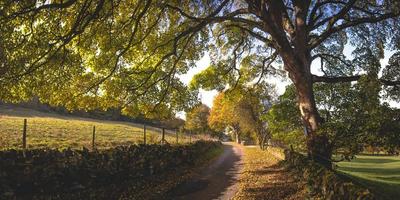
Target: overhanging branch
{"points": [[364, 20], [390, 83], [343, 79], [32, 8], [334, 79]]}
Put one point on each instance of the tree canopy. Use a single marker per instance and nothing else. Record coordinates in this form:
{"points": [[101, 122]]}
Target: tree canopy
{"points": [[91, 54], [196, 119], [354, 119], [243, 110]]}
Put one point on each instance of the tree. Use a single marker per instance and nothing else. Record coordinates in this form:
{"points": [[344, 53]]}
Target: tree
{"points": [[253, 104], [86, 55], [139, 46], [223, 115], [388, 132], [196, 120], [354, 119], [173, 123], [220, 115], [242, 110], [298, 33]]}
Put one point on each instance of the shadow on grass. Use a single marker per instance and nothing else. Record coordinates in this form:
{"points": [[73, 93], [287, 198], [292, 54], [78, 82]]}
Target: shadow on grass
{"points": [[382, 190], [378, 160], [373, 172]]}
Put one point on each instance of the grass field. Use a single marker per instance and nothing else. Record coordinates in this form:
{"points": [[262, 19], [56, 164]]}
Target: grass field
{"points": [[380, 173], [59, 131]]}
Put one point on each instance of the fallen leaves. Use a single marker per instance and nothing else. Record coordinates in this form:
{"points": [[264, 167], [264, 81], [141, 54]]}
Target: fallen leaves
{"points": [[264, 178]]}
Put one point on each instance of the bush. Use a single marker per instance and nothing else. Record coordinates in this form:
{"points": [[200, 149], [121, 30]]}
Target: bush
{"points": [[46, 171], [324, 183]]}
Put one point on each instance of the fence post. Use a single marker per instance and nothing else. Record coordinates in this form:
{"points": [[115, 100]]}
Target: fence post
{"points": [[190, 136], [177, 139], [24, 135], [144, 134], [93, 137], [163, 136]]}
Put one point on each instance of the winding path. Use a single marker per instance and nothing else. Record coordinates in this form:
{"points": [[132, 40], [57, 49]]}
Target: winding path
{"points": [[218, 180]]}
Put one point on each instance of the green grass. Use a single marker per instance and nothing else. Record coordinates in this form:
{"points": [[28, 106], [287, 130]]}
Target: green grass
{"points": [[380, 173], [59, 131]]}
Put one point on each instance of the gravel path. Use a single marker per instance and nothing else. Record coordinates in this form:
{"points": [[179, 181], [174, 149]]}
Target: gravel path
{"points": [[217, 180]]}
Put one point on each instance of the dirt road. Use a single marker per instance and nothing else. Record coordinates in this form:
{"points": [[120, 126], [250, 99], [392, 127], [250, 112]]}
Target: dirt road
{"points": [[215, 181]]}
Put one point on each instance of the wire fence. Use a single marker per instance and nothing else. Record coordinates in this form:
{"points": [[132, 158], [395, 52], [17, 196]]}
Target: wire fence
{"points": [[19, 133]]}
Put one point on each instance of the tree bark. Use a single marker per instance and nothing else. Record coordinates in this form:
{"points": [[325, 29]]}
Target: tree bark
{"points": [[237, 137], [318, 146], [295, 52], [264, 138], [298, 66]]}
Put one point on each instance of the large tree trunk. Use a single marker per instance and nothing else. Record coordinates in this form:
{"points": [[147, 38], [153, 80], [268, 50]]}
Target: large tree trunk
{"points": [[317, 142], [318, 146], [296, 55], [298, 66]]}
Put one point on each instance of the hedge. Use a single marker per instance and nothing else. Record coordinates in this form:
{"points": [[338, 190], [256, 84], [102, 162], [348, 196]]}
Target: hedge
{"points": [[324, 183], [51, 172]]}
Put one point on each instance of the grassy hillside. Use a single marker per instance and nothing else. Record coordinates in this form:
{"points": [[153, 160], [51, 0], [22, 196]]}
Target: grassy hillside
{"points": [[59, 131], [381, 173]]}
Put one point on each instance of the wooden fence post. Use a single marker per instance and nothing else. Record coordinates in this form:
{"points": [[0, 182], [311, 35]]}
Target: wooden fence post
{"points": [[163, 136], [163, 140], [144, 134], [190, 136], [177, 139], [24, 135], [93, 137]]}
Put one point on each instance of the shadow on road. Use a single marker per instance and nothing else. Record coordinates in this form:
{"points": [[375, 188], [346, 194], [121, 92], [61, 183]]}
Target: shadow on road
{"points": [[215, 181]]}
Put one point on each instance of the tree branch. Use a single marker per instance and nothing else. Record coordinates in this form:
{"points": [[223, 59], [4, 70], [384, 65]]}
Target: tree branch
{"points": [[355, 22], [35, 10], [324, 55], [343, 79], [333, 19], [390, 83], [334, 79], [256, 35]]}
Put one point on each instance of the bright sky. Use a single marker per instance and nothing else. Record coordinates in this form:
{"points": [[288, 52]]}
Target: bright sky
{"points": [[207, 97]]}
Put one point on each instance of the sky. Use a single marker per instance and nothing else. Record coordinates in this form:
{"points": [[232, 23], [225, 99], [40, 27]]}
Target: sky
{"points": [[207, 97]]}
